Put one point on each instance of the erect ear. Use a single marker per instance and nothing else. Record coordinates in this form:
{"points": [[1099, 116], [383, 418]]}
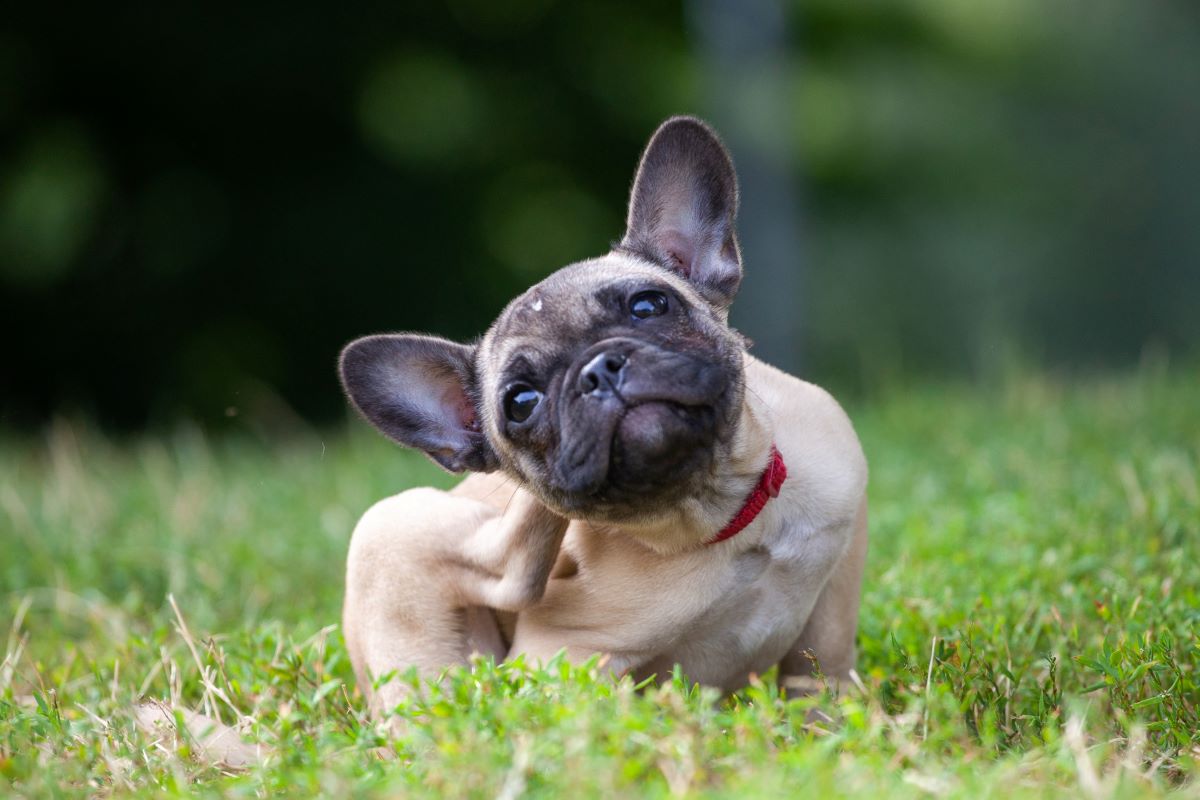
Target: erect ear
{"points": [[683, 205], [418, 390]]}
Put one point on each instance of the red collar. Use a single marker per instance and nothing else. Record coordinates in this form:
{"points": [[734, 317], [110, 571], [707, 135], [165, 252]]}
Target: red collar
{"points": [[768, 486]]}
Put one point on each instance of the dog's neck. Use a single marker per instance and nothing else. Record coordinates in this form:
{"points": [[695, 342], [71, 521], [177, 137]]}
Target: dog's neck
{"points": [[697, 519]]}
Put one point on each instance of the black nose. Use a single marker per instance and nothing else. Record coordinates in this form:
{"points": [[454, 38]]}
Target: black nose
{"points": [[602, 375]]}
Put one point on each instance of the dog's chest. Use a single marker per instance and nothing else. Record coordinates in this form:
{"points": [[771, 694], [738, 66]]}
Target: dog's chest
{"points": [[719, 618], [752, 624]]}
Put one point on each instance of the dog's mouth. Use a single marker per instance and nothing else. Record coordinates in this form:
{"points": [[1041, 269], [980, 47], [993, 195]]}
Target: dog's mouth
{"points": [[641, 432], [651, 426], [655, 443], [648, 448]]}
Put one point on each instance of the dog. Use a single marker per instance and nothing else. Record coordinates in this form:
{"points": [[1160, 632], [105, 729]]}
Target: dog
{"points": [[641, 487]]}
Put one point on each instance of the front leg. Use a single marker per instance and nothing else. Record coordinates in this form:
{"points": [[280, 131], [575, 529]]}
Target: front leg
{"points": [[827, 642], [506, 563], [425, 571]]}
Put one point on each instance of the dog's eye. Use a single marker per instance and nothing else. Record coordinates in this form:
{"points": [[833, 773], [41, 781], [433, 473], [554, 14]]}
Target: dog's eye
{"points": [[520, 401], [648, 304]]}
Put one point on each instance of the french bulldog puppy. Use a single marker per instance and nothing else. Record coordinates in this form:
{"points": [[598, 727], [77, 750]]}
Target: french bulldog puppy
{"points": [[641, 486]]}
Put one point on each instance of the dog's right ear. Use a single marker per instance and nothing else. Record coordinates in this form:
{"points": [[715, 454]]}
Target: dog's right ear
{"points": [[683, 208], [417, 390]]}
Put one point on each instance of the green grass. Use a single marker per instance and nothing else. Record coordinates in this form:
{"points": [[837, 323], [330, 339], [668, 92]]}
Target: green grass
{"points": [[1029, 624]]}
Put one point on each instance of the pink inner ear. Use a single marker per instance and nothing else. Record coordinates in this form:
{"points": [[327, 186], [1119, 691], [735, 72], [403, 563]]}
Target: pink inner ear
{"points": [[680, 262], [679, 249], [455, 405], [466, 414]]}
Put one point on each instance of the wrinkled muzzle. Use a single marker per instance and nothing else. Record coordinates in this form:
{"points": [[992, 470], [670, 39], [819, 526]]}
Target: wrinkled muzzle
{"points": [[635, 418]]}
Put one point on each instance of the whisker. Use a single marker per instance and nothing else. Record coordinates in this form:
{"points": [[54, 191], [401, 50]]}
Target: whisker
{"points": [[505, 481]]}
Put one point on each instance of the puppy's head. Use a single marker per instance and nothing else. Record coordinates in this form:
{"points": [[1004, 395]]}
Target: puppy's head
{"points": [[611, 388]]}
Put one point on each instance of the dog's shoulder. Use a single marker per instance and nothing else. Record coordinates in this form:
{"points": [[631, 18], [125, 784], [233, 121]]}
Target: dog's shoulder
{"points": [[824, 457], [392, 524], [494, 489]]}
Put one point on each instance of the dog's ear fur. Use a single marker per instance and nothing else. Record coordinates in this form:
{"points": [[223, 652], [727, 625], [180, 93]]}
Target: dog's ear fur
{"points": [[419, 391], [683, 206]]}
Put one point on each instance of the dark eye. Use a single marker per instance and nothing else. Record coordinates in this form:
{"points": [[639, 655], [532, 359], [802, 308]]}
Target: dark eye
{"points": [[648, 304], [520, 401]]}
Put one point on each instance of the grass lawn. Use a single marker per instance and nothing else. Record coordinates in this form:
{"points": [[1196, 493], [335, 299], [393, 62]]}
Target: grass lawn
{"points": [[1029, 624]]}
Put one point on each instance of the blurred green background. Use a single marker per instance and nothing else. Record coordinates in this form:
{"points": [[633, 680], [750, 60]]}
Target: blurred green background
{"points": [[198, 206]]}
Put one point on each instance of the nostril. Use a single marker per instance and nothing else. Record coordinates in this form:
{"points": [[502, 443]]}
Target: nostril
{"points": [[613, 363], [602, 376]]}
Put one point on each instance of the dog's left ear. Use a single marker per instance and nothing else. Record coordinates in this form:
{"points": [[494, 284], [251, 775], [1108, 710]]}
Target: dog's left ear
{"points": [[416, 389], [683, 206]]}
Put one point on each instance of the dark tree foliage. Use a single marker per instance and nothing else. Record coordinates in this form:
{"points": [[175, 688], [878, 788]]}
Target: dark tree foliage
{"points": [[198, 206]]}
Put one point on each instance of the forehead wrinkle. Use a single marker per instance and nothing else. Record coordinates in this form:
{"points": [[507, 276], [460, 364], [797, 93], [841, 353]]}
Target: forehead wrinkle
{"points": [[565, 297], [512, 348], [588, 277], [631, 265]]}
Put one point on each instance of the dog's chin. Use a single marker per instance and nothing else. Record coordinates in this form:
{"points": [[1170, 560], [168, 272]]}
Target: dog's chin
{"points": [[658, 449], [658, 444]]}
